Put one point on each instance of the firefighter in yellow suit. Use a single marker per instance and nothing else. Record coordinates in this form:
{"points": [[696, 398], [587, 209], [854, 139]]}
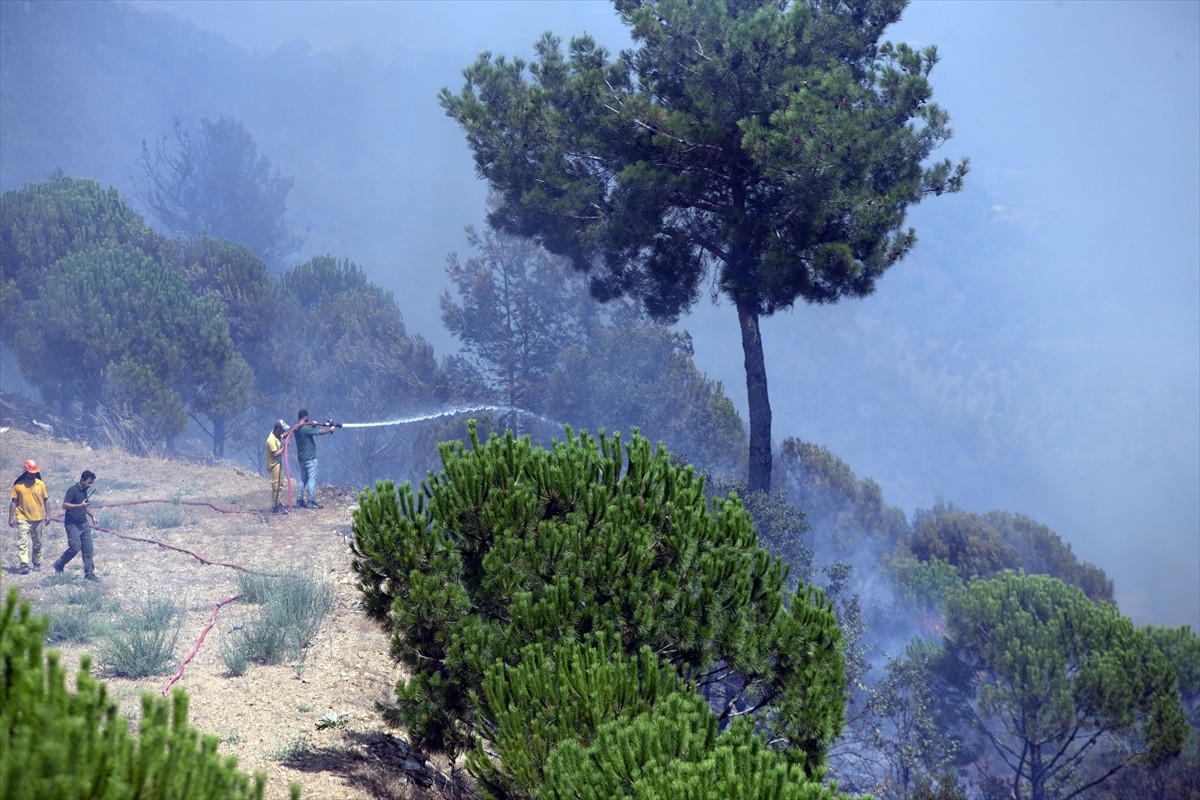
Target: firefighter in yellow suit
{"points": [[274, 461]]}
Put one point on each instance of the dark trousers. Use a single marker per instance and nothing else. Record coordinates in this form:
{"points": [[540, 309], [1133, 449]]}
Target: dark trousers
{"points": [[79, 540]]}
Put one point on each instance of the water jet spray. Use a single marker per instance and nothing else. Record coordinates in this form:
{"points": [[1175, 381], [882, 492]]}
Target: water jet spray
{"points": [[452, 412]]}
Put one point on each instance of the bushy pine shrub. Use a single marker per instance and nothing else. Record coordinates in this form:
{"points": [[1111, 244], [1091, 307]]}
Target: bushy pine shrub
{"points": [[674, 750], [514, 544], [56, 743], [554, 694]]}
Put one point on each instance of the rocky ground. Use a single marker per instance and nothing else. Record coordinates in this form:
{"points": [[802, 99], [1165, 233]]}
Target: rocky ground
{"points": [[184, 531]]}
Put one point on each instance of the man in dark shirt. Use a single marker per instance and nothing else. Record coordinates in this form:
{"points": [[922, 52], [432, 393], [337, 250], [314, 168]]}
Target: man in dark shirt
{"points": [[78, 519], [304, 434]]}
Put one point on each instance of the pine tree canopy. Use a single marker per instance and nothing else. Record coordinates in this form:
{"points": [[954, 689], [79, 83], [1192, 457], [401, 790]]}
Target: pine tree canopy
{"points": [[767, 151], [1054, 675], [674, 752], [512, 545]]}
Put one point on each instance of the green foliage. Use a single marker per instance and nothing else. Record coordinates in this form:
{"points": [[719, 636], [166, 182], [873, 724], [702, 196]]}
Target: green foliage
{"points": [[513, 545], [331, 720], [87, 597], [112, 323], [292, 751], [43, 223], [253, 587], [781, 527], [214, 182], [645, 373], [535, 339], [1054, 674], [236, 277], [673, 751], [55, 743], [145, 643], [293, 608], [1181, 646], [962, 539], [1041, 551], [124, 333], [849, 517], [984, 544], [518, 310], [924, 585], [769, 150], [262, 642], [73, 624], [557, 695], [165, 519], [235, 655]]}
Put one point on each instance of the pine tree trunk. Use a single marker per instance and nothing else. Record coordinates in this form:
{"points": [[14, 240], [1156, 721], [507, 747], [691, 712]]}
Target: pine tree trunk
{"points": [[759, 402], [219, 435]]}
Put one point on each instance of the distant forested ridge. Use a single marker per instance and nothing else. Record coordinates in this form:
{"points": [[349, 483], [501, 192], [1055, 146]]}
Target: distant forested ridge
{"points": [[86, 82], [106, 316]]}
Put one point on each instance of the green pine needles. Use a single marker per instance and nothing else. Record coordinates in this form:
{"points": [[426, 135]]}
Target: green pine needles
{"points": [[672, 752], [55, 743], [517, 563]]}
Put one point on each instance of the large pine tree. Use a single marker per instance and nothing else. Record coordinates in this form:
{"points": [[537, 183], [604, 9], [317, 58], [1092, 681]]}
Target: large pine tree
{"points": [[767, 151]]}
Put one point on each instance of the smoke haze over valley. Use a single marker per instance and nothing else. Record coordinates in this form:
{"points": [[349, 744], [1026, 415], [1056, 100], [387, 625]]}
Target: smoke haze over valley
{"points": [[1038, 352]]}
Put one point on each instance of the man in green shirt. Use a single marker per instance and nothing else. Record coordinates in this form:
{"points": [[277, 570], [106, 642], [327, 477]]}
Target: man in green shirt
{"points": [[304, 434]]}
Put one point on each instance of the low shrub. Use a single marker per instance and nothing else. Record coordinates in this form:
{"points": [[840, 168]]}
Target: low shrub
{"points": [[86, 597], [293, 606], [74, 624], [146, 645], [253, 587], [235, 656], [166, 519]]}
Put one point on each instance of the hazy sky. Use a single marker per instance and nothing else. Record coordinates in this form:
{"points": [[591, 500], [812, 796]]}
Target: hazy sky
{"points": [[1039, 352]]}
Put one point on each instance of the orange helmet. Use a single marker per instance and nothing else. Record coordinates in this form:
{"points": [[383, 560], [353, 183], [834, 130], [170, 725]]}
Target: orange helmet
{"points": [[31, 465]]}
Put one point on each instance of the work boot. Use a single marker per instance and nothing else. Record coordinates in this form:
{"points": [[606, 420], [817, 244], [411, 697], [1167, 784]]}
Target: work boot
{"points": [[23, 570], [93, 578], [315, 504], [300, 504]]}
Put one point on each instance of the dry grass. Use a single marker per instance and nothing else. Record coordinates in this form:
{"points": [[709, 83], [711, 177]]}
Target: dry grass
{"points": [[270, 716]]}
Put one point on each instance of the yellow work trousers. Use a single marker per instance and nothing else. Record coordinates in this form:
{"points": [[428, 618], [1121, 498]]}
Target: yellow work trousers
{"points": [[275, 474], [29, 532]]}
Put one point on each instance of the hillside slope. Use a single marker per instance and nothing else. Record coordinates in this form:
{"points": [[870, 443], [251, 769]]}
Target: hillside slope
{"points": [[161, 520]]}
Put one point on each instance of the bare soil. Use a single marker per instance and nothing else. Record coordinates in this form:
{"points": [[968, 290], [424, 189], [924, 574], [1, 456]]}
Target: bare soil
{"points": [[271, 717]]}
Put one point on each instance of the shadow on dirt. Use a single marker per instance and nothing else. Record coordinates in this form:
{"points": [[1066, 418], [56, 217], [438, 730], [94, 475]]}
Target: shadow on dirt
{"points": [[383, 766]]}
